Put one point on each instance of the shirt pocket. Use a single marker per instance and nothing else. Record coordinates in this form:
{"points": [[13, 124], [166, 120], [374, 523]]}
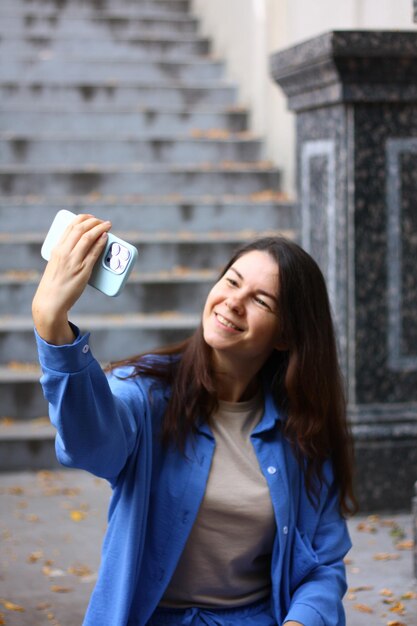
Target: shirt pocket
{"points": [[303, 559]]}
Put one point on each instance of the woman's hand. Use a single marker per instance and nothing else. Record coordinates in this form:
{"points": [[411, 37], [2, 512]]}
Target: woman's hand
{"points": [[66, 276]]}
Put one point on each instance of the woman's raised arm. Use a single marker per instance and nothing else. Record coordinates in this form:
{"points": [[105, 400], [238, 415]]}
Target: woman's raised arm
{"points": [[66, 276]]}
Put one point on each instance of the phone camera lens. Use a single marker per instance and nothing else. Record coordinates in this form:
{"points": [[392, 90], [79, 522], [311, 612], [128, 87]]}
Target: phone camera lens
{"points": [[114, 263]]}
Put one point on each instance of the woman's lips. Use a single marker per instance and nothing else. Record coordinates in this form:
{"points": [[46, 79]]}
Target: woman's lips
{"points": [[226, 323]]}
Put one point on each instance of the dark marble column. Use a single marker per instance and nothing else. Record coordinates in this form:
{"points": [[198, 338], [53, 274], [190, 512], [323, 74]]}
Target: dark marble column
{"points": [[414, 511], [355, 98]]}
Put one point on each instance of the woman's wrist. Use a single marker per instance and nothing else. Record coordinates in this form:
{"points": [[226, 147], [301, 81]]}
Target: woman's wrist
{"points": [[55, 330]]}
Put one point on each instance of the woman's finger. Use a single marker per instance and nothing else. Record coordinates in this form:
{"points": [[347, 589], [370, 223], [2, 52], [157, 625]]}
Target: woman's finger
{"points": [[78, 219], [91, 242]]}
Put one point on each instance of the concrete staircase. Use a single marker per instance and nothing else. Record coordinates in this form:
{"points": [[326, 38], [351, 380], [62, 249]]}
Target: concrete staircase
{"points": [[117, 108]]}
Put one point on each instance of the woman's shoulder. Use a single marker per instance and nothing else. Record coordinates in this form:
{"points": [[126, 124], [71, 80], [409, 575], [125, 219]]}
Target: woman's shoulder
{"points": [[148, 376]]}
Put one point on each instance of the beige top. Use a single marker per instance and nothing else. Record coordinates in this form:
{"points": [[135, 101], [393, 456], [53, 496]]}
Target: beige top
{"points": [[226, 560]]}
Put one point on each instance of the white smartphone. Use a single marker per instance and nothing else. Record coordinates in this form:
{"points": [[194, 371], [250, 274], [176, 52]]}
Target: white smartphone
{"points": [[112, 268]]}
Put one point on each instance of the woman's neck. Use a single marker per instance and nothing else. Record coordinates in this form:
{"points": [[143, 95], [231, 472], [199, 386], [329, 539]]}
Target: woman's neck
{"points": [[234, 383]]}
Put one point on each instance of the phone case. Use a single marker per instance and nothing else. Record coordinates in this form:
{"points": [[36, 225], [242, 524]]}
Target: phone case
{"points": [[112, 268]]}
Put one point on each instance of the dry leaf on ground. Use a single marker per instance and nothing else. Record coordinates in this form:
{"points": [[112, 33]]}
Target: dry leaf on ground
{"points": [[363, 608], [398, 608], [11, 606], [77, 516], [60, 589], [387, 593], [386, 556], [407, 544], [35, 556], [409, 595]]}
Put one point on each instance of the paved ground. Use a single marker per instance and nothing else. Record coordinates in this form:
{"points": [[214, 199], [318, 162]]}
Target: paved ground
{"points": [[51, 528]]}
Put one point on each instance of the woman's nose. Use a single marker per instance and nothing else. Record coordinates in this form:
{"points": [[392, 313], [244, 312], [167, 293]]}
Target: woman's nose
{"points": [[235, 304]]}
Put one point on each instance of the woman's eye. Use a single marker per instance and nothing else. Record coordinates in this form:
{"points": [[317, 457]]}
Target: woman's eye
{"points": [[261, 302], [231, 281]]}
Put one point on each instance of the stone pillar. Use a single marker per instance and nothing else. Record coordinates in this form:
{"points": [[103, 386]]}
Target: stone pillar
{"points": [[355, 99], [414, 511]]}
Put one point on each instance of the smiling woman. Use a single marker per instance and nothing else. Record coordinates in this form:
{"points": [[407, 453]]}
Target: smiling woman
{"points": [[241, 323], [229, 454]]}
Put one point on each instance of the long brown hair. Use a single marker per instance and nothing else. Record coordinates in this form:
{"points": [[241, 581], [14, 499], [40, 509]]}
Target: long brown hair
{"points": [[305, 379]]}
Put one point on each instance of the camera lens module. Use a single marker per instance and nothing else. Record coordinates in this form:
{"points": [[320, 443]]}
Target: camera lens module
{"points": [[117, 258]]}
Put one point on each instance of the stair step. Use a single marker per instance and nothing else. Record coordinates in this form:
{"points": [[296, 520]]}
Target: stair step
{"points": [[194, 216], [116, 94], [85, 70], [85, 8], [140, 179], [184, 290], [98, 27], [139, 122], [157, 251], [102, 150], [113, 336], [27, 445], [20, 391], [136, 47]]}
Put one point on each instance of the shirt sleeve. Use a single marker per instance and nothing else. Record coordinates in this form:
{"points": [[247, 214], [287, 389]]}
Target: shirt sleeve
{"points": [[317, 600], [98, 418]]}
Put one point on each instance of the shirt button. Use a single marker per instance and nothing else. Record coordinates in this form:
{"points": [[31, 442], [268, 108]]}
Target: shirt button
{"points": [[86, 348], [271, 469], [285, 530]]}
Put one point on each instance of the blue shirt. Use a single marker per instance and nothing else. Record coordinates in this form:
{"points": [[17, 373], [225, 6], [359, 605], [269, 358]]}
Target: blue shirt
{"points": [[110, 427]]}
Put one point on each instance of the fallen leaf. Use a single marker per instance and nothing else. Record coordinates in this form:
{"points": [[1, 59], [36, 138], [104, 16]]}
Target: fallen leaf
{"points": [[408, 544], [60, 589], [7, 421], [386, 556], [77, 516], [398, 608], [15, 491], [35, 556], [388, 600], [11, 606], [2, 619], [386, 592], [52, 572], [409, 595], [80, 570], [18, 366], [395, 623], [365, 527], [363, 608], [42, 606]]}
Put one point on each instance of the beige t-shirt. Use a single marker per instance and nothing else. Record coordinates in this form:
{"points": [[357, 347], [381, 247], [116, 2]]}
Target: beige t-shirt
{"points": [[227, 558]]}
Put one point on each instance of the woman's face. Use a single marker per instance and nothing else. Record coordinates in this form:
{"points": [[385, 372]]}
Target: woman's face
{"points": [[240, 317]]}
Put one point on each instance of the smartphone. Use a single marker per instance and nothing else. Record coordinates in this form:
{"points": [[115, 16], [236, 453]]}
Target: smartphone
{"points": [[112, 268]]}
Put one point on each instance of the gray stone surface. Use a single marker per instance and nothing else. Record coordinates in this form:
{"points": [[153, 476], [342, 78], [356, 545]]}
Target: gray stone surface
{"points": [[356, 102], [51, 529]]}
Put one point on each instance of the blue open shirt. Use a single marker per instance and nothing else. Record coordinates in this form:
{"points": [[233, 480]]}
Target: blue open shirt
{"points": [[111, 427]]}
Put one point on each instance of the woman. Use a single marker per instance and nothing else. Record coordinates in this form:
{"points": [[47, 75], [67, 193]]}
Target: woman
{"points": [[228, 454]]}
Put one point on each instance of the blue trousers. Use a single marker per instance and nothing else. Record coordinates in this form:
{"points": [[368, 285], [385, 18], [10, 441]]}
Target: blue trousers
{"points": [[257, 614]]}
